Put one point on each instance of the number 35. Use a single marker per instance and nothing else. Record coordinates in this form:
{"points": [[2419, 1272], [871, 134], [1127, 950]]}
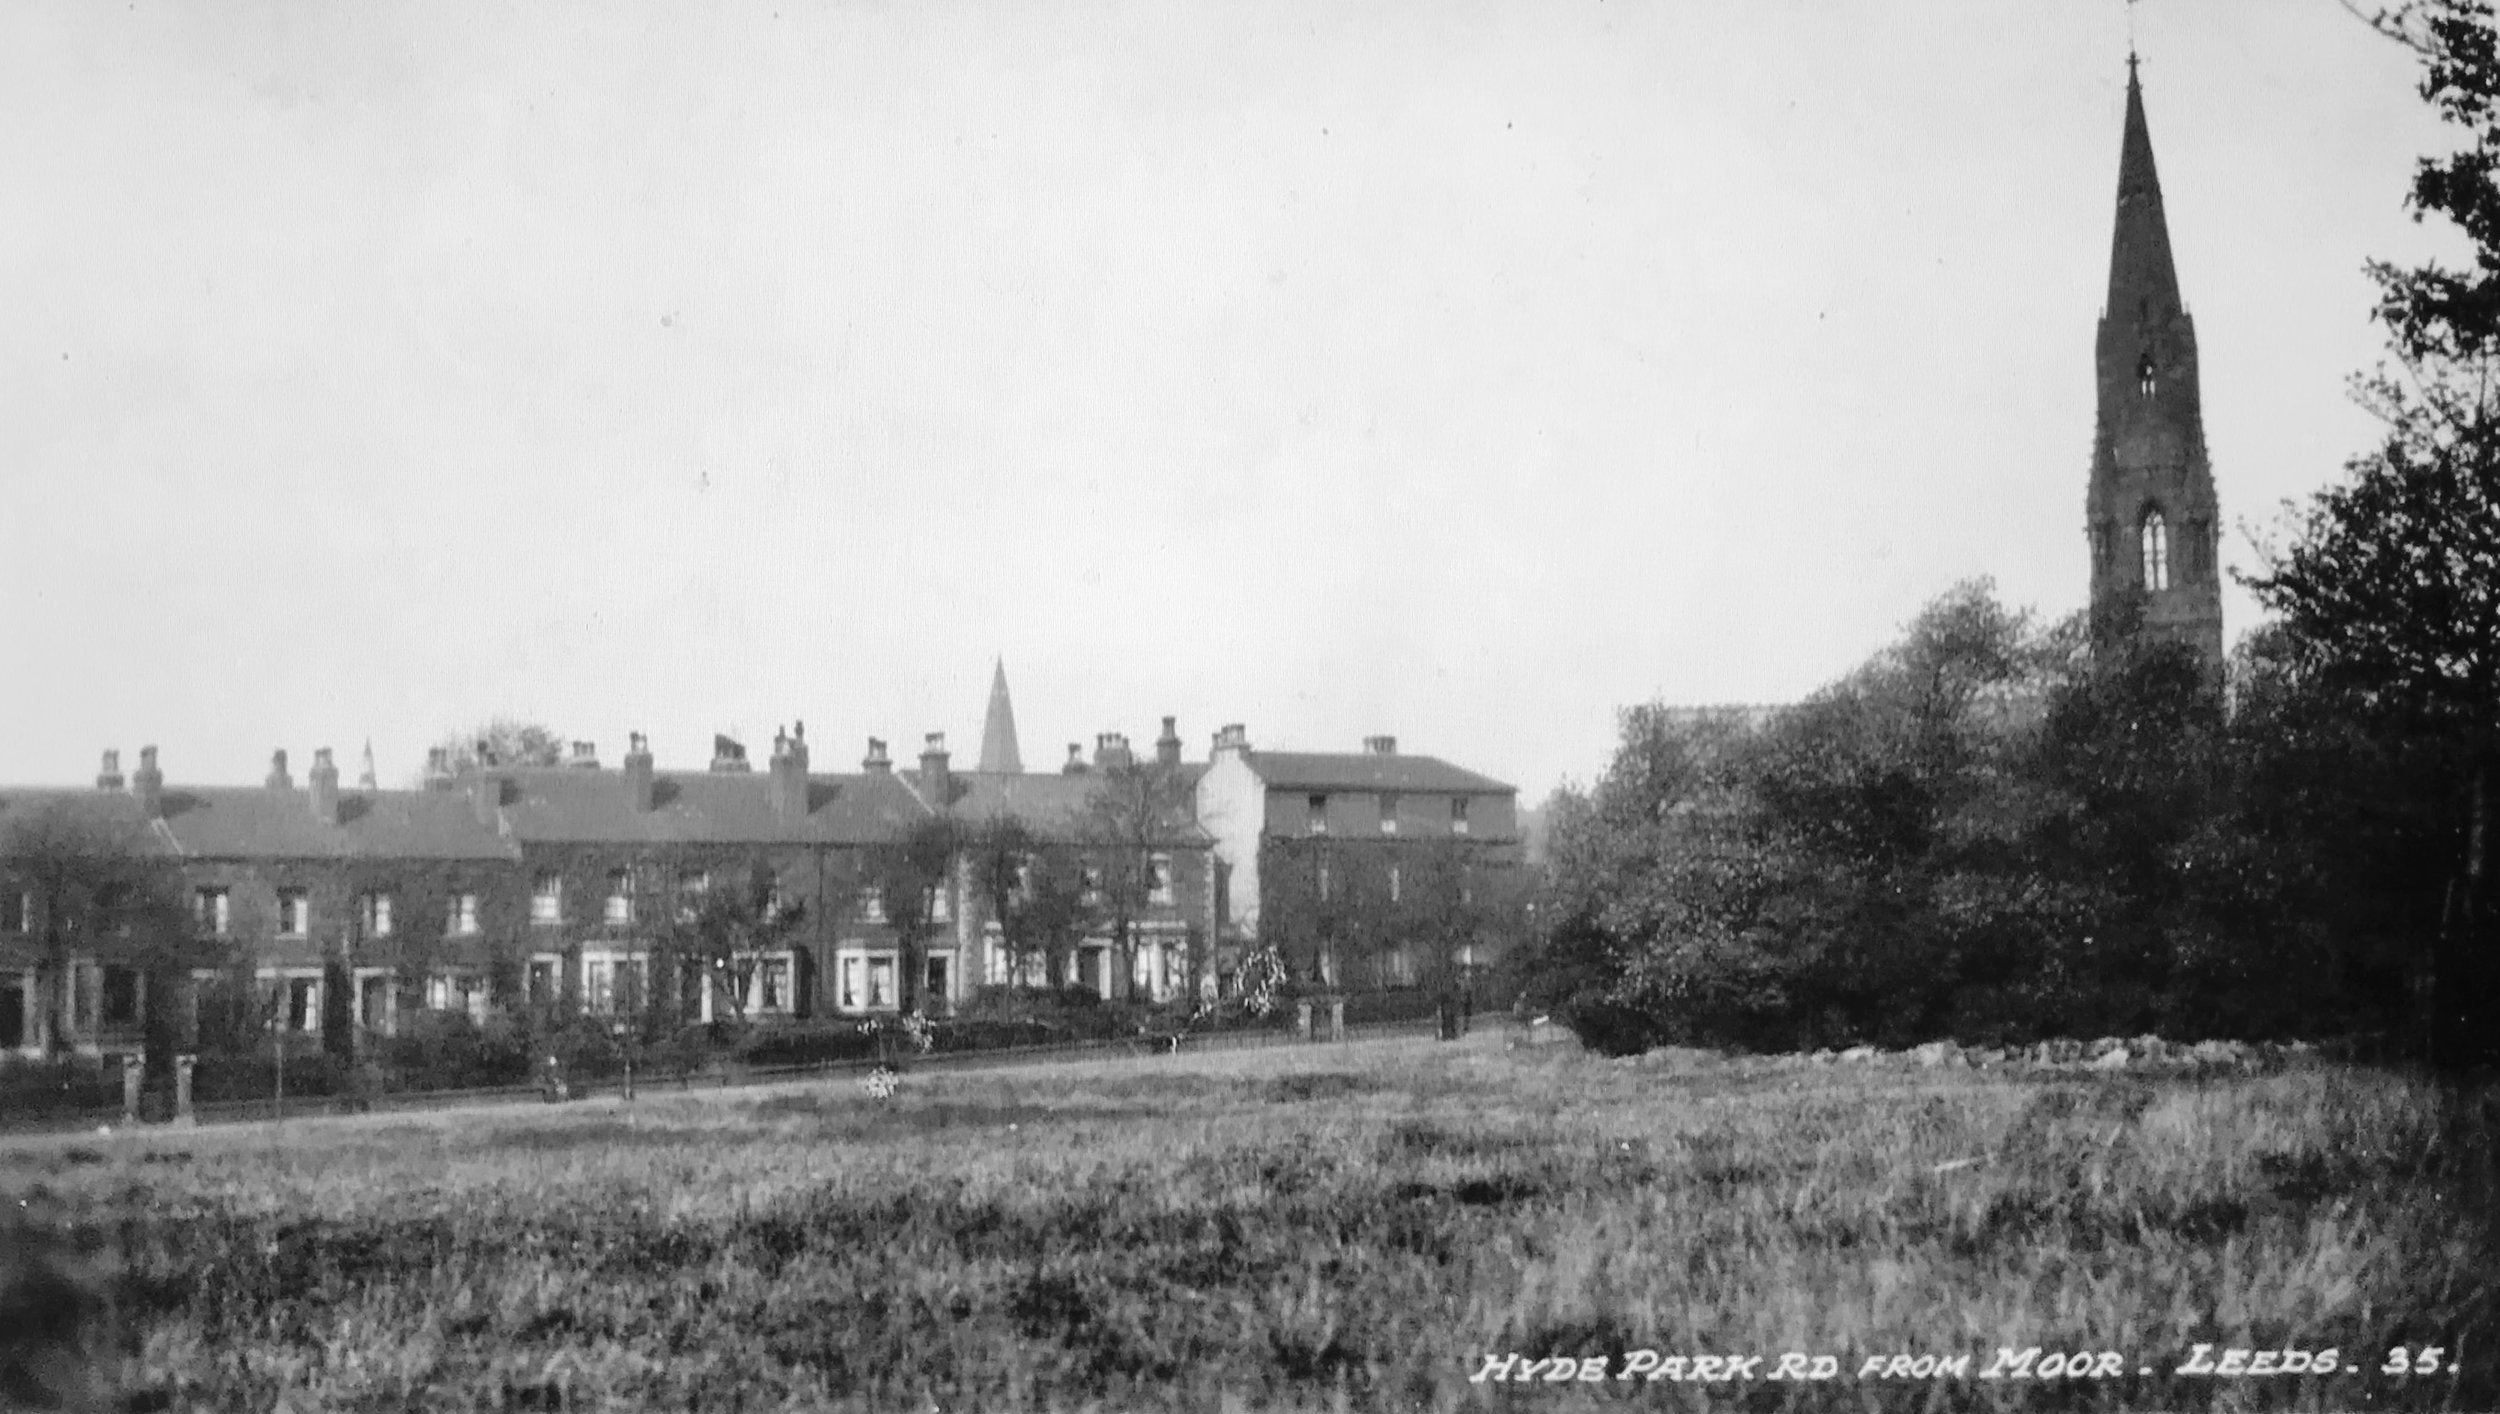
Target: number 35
{"points": [[2426, 1363]]}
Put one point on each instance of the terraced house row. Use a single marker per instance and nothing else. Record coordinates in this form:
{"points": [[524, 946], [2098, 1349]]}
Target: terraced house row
{"points": [[494, 887]]}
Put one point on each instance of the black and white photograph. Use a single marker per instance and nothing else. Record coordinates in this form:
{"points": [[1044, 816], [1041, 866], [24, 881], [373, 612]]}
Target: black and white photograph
{"points": [[1094, 706]]}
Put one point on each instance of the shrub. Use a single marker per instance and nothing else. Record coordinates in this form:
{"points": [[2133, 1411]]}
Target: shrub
{"points": [[809, 1043]]}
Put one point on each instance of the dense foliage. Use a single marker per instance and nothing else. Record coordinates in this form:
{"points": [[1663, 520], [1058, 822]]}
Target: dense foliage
{"points": [[1997, 832]]}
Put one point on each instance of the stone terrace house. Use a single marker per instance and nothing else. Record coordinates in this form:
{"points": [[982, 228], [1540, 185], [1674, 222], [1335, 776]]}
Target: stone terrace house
{"points": [[1291, 828]]}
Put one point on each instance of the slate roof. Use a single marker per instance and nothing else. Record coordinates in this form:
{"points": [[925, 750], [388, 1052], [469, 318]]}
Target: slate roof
{"points": [[1049, 802], [240, 822], [1325, 771], [567, 804], [111, 808]]}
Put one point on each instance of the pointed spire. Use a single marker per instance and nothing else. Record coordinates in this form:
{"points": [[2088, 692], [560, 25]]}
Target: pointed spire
{"points": [[998, 730], [2143, 282], [367, 780]]}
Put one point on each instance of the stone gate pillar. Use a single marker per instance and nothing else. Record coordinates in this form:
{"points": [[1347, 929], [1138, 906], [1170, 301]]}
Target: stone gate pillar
{"points": [[182, 1088]]}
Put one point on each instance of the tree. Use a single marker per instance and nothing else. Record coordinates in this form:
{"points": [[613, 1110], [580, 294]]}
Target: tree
{"points": [[1130, 820], [905, 878], [502, 741], [726, 930], [2390, 590], [1033, 890], [97, 885], [1056, 915]]}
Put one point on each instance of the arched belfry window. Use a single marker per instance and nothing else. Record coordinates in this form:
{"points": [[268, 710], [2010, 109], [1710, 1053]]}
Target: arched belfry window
{"points": [[2156, 536], [2144, 376]]}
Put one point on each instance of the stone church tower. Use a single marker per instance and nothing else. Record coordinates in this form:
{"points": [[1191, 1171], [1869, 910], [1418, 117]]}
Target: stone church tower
{"points": [[2150, 512]]}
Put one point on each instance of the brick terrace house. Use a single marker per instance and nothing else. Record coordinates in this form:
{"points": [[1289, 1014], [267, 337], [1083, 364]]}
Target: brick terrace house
{"points": [[1174, 933], [1296, 828], [282, 882], [497, 889], [606, 858]]}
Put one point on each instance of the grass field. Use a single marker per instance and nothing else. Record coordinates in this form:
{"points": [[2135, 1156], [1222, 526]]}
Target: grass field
{"points": [[1351, 1226]]}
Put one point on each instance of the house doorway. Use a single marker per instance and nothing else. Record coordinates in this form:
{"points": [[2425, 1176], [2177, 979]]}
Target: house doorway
{"points": [[933, 1001], [12, 1014]]}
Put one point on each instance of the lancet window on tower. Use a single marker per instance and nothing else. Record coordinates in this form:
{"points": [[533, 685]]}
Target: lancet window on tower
{"points": [[2144, 376], [2156, 536]]}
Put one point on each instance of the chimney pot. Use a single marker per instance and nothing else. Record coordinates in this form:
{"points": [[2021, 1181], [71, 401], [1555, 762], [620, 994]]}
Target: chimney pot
{"points": [[876, 761], [1168, 745], [936, 782], [110, 777], [438, 768], [1380, 745], [278, 777], [1076, 759]]}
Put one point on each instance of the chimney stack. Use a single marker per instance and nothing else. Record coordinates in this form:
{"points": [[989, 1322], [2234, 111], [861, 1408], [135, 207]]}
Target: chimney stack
{"points": [[278, 778], [638, 771], [729, 755], [148, 784], [1111, 750], [1231, 739], [1168, 745], [789, 775], [438, 768], [876, 762], [110, 777], [1076, 760], [486, 795], [324, 777], [935, 781], [585, 756], [1380, 746]]}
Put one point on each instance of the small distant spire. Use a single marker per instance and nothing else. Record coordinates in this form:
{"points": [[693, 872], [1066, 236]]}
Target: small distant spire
{"points": [[998, 729], [367, 780]]}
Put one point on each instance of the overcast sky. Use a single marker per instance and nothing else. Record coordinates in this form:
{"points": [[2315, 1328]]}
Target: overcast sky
{"points": [[1459, 371]]}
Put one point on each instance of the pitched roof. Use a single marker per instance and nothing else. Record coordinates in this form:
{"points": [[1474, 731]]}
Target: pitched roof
{"points": [[1367, 770], [111, 809], [264, 822], [1050, 803], [567, 804]]}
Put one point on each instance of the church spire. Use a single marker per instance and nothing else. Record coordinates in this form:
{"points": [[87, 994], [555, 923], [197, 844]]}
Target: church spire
{"points": [[2150, 512], [2142, 278], [998, 730]]}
